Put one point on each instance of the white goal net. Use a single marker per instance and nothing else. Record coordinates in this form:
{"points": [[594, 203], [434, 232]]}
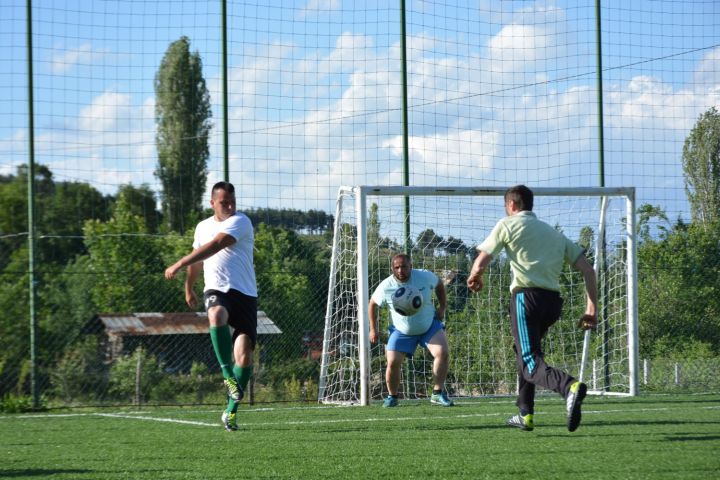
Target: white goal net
{"points": [[440, 228]]}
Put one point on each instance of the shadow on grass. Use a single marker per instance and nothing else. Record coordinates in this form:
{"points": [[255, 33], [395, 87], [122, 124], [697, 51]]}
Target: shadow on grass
{"points": [[638, 423], [47, 472], [40, 472], [598, 429], [692, 438], [656, 399]]}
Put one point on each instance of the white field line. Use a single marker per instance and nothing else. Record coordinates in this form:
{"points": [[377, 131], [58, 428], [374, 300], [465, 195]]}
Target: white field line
{"points": [[156, 419], [347, 420]]}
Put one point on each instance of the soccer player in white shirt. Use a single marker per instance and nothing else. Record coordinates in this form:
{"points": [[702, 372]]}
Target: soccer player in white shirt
{"points": [[223, 250]]}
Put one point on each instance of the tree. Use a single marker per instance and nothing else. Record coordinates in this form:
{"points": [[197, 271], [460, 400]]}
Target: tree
{"points": [[290, 273], [647, 214], [455, 246], [139, 201], [701, 167], [182, 112], [127, 266], [61, 210], [312, 221], [678, 289], [428, 240]]}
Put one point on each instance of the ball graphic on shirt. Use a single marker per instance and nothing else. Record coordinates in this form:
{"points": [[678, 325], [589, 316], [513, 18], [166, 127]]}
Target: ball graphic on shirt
{"points": [[407, 300]]}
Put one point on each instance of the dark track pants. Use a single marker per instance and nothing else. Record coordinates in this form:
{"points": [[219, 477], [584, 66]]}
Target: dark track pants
{"points": [[532, 313]]}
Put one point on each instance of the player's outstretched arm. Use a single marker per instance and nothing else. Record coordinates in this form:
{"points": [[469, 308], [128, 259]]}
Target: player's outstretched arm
{"points": [[589, 318], [220, 241], [475, 279]]}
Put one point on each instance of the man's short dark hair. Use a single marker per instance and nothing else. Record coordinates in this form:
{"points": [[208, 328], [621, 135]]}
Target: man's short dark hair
{"points": [[521, 195], [401, 255], [227, 186]]}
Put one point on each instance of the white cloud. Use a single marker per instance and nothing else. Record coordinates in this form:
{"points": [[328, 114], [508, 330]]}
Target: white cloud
{"points": [[450, 155], [518, 43], [107, 112], [63, 61], [109, 143], [708, 71], [315, 7], [649, 103]]}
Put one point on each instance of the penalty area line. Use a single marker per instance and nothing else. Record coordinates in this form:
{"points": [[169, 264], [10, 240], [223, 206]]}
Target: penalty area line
{"points": [[156, 419]]}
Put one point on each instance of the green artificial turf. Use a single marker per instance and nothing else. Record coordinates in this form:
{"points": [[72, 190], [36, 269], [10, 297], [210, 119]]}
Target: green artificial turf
{"points": [[652, 437]]}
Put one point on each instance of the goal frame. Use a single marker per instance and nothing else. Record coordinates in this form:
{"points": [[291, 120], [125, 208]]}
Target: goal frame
{"points": [[363, 293]]}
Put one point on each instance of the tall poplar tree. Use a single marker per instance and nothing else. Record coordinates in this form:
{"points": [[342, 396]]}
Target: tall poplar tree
{"points": [[701, 166], [182, 115]]}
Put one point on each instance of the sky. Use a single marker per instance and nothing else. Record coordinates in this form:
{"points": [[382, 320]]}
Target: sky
{"points": [[499, 93]]}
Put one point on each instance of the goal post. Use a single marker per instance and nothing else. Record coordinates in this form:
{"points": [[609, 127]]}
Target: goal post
{"points": [[446, 224]]}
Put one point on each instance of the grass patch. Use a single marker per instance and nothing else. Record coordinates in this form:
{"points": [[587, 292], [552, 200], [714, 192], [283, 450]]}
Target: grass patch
{"points": [[653, 437]]}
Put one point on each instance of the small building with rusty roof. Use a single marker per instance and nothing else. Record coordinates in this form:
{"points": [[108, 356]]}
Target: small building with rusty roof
{"points": [[177, 339]]}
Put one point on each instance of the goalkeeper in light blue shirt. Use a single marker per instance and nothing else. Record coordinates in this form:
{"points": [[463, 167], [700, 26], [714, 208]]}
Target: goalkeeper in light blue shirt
{"points": [[407, 332]]}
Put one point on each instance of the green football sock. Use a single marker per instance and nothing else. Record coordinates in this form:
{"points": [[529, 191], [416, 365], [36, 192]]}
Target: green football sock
{"points": [[232, 405], [243, 375], [222, 344]]}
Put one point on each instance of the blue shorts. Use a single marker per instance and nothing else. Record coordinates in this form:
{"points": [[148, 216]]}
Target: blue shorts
{"points": [[399, 342]]}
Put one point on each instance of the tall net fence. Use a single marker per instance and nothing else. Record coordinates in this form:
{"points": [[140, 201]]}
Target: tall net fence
{"points": [[305, 96]]}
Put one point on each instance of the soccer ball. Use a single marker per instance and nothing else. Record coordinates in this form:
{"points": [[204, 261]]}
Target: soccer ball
{"points": [[407, 300]]}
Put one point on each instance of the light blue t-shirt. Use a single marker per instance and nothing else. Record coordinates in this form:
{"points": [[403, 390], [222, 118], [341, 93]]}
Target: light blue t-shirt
{"points": [[425, 281]]}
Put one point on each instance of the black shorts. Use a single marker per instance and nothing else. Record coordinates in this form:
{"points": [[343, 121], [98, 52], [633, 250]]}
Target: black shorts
{"points": [[532, 312], [241, 308]]}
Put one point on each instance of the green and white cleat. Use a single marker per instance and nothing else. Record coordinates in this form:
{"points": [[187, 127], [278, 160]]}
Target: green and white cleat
{"points": [[441, 399], [233, 389], [523, 422], [229, 421], [574, 400]]}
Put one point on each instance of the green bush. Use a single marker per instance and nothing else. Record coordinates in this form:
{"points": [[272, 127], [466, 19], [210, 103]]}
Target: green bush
{"points": [[18, 404], [681, 349], [124, 376], [300, 368], [79, 373]]}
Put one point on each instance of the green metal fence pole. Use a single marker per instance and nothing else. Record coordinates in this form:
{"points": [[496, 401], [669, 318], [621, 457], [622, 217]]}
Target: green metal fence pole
{"points": [[601, 130], [406, 154], [601, 165], [226, 146], [31, 213]]}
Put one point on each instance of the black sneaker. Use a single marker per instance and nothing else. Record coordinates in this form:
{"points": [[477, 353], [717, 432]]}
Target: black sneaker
{"points": [[523, 422], [574, 400]]}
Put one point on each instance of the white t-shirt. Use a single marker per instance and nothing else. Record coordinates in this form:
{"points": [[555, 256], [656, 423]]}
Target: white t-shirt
{"points": [[425, 281], [231, 267]]}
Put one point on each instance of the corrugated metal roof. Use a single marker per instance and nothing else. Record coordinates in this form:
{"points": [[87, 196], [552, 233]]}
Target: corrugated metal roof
{"points": [[150, 323]]}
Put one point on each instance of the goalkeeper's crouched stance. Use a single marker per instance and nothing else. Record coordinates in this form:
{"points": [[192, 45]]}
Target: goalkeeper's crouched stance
{"points": [[537, 253], [423, 328]]}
